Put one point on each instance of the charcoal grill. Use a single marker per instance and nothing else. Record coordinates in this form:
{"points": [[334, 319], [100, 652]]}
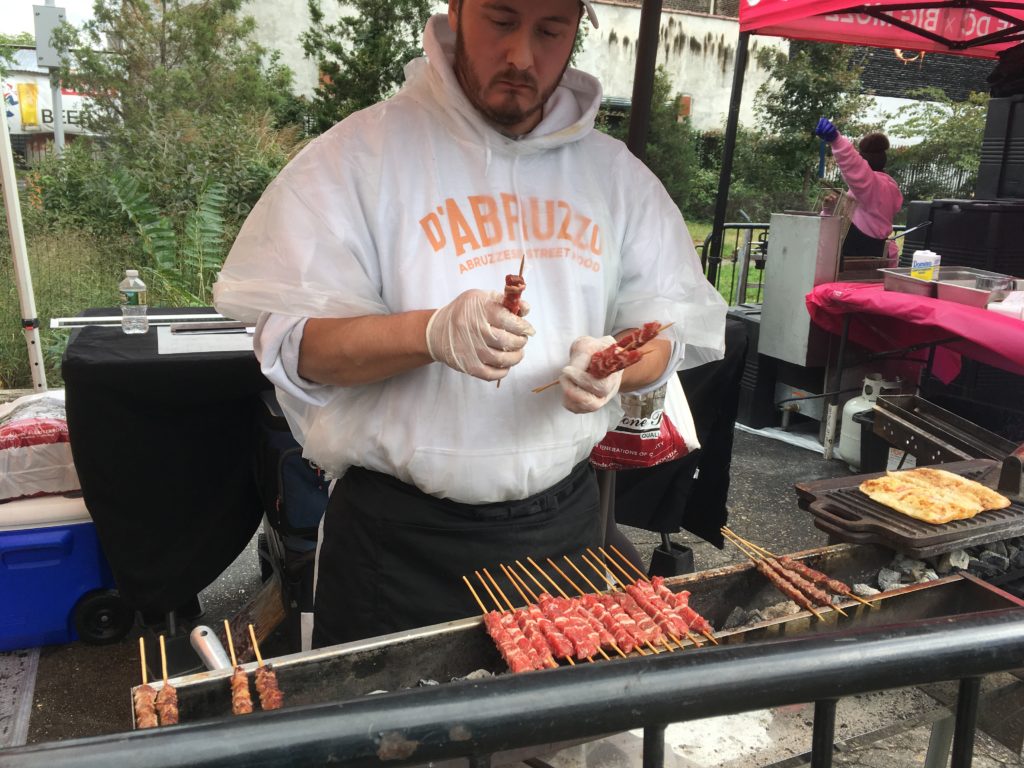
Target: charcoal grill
{"points": [[455, 649]]}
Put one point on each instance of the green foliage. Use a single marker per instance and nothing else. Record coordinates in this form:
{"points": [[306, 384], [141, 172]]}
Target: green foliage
{"points": [[8, 44], [169, 58], [361, 57], [815, 80], [951, 132], [155, 231], [670, 149]]}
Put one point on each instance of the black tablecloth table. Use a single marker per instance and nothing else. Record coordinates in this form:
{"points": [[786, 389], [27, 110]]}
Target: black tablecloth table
{"points": [[164, 446]]}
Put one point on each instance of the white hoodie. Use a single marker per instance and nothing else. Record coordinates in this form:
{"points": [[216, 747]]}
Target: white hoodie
{"points": [[407, 204]]}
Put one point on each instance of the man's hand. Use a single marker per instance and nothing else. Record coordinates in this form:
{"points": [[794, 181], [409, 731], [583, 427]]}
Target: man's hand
{"points": [[581, 392], [826, 130], [475, 334]]}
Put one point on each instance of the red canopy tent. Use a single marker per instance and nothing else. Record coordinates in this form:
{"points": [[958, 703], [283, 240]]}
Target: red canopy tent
{"points": [[966, 27]]}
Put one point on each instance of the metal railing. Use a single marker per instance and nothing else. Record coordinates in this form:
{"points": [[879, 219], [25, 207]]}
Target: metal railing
{"points": [[476, 720], [738, 273]]}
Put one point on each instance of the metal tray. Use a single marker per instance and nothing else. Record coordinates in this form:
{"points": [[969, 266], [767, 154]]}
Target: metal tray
{"points": [[848, 514], [960, 284], [899, 279]]}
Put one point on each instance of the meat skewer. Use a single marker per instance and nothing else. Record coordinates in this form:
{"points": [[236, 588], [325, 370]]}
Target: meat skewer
{"points": [[559, 644], [529, 627], [585, 640], [647, 630], [269, 692], [834, 585], [620, 617], [516, 648], [655, 605], [167, 699], [616, 635], [514, 287], [241, 698], [676, 601], [819, 596], [779, 582], [616, 357], [594, 626], [144, 696]]}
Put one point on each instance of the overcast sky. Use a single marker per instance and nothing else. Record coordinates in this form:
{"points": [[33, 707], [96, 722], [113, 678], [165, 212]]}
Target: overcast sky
{"points": [[17, 16]]}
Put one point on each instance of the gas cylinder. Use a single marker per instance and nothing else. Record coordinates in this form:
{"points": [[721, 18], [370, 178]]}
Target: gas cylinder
{"points": [[849, 431]]}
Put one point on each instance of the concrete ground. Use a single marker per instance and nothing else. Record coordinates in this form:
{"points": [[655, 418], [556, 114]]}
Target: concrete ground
{"points": [[763, 508]]}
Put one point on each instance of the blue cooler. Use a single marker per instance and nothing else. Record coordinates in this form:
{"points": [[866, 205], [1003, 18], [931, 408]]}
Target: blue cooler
{"points": [[55, 583]]}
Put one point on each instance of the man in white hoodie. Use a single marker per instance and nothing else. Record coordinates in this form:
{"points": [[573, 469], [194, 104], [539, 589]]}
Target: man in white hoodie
{"points": [[487, 155]]}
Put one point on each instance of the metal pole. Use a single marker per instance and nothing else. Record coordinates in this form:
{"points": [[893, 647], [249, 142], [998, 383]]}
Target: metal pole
{"points": [[832, 409], [728, 147], [966, 717], [22, 273], [643, 77], [824, 735], [58, 105], [654, 746]]}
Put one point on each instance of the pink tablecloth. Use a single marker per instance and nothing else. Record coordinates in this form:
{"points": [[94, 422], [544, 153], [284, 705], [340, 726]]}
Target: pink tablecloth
{"points": [[887, 320]]}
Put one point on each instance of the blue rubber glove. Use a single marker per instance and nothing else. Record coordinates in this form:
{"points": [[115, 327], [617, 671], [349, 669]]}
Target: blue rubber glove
{"points": [[826, 130]]}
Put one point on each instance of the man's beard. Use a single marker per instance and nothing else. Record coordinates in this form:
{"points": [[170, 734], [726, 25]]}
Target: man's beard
{"points": [[510, 111]]}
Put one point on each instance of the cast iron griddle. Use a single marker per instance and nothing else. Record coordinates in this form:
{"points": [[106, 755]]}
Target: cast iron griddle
{"points": [[840, 509]]}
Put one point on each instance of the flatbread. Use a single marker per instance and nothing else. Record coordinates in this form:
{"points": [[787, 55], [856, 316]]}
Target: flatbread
{"points": [[932, 495]]}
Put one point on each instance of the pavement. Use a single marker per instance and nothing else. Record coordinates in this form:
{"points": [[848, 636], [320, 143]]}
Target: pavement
{"points": [[871, 731]]}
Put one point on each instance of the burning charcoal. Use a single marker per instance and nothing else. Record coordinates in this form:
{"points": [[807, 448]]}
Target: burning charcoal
{"points": [[888, 579], [864, 590], [736, 618], [982, 569], [910, 567], [1002, 562], [476, 674], [998, 547], [928, 575], [1018, 559], [426, 683], [952, 561], [1012, 551]]}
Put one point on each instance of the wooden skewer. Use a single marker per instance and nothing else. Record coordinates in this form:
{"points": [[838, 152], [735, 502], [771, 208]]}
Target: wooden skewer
{"points": [[609, 561], [255, 646], [231, 643], [476, 597], [754, 558], [487, 586], [643, 577], [163, 659], [562, 573], [142, 659], [611, 583], [511, 577], [767, 553]]}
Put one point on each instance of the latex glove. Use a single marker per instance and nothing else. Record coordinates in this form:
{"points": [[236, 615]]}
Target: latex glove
{"points": [[475, 334], [581, 392], [826, 130]]}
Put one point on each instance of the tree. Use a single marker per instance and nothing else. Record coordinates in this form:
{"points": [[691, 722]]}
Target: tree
{"points": [[815, 80], [8, 44], [950, 130], [140, 59], [670, 148], [361, 57]]}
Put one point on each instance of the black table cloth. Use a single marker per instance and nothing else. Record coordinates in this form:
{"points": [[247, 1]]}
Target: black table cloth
{"points": [[164, 446]]}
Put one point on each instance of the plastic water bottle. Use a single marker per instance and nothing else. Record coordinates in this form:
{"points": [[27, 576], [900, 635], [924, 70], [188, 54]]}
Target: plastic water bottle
{"points": [[133, 303]]}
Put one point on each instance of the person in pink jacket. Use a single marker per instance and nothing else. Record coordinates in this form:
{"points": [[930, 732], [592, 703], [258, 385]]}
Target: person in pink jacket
{"points": [[877, 194]]}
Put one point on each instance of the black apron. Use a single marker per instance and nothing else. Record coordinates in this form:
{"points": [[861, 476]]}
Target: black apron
{"points": [[859, 244], [393, 557]]}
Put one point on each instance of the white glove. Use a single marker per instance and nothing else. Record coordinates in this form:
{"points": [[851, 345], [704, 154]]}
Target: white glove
{"points": [[475, 334], [581, 392]]}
